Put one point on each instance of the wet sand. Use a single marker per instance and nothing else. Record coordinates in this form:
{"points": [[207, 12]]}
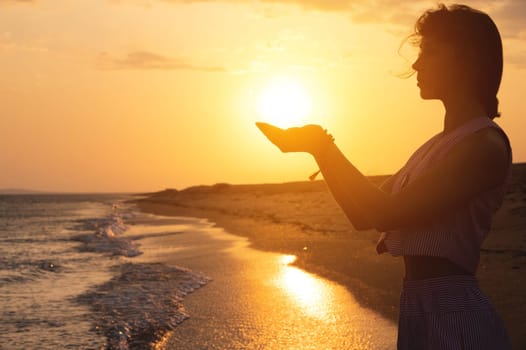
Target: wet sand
{"points": [[257, 300], [302, 219]]}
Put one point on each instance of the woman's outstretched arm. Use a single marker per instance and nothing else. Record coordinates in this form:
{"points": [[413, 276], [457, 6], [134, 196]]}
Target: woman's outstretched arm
{"points": [[342, 194], [308, 139], [477, 164], [355, 194]]}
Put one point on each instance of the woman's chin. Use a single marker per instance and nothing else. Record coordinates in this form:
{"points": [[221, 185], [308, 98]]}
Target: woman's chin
{"points": [[427, 95]]}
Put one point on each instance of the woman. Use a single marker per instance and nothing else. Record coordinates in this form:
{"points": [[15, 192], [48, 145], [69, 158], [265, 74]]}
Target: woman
{"points": [[437, 210]]}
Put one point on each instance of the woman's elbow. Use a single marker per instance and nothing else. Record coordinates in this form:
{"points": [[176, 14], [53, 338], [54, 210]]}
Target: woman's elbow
{"points": [[380, 226], [385, 223], [358, 221], [384, 227]]}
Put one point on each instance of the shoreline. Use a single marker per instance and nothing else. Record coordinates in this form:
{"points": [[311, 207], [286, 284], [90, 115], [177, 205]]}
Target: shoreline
{"points": [[386, 303], [302, 219], [255, 299]]}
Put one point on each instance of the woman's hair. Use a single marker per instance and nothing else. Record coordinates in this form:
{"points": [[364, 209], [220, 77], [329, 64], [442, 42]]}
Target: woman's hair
{"points": [[476, 40]]}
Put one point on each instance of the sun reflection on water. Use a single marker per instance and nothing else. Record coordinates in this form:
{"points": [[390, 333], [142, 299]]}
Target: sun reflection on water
{"points": [[306, 290]]}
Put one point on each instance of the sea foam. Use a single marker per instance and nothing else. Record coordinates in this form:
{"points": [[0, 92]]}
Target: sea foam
{"points": [[106, 235], [140, 306], [142, 303]]}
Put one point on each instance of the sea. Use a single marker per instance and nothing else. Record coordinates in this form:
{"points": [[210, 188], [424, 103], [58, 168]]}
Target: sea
{"points": [[68, 279]]}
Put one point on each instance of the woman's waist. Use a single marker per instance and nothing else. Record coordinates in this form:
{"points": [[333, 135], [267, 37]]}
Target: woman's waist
{"points": [[418, 267]]}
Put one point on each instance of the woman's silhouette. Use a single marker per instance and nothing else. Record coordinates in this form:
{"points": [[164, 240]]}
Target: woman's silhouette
{"points": [[437, 209]]}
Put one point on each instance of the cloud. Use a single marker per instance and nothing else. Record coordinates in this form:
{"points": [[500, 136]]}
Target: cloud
{"points": [[15, 1], [385, 12], [324, 5], [512, 13], [145, 60], [518, 60], [510, 17], [8, 43], [349, 6]]}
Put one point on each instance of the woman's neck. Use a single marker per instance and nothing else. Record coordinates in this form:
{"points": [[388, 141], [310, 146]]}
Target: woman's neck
{"points": [[460, 111]]}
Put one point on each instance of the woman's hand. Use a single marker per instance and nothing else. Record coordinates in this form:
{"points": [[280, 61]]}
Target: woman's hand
{"points": [[309, 138]]}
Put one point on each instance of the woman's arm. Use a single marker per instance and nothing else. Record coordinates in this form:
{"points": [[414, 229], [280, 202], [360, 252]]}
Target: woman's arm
{"points": [[341, 194], [476, 164]]}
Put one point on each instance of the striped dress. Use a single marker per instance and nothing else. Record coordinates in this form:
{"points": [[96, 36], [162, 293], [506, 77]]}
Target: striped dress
{"points": [[447, 312]]}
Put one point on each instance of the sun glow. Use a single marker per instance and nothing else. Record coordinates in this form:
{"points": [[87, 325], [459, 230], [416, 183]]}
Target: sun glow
{"points": [[284, 102]]}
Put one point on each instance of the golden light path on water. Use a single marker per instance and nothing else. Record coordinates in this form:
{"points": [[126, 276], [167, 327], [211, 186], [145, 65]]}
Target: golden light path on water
{"points": [[308, 292], [258, 300]]}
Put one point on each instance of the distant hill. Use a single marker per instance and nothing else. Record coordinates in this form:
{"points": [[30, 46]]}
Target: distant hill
{"points": [[18, 191]]}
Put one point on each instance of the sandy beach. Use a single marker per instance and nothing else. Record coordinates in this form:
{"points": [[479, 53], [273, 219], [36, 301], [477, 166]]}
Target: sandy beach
{"points": [[256, 299], [302, 219]]}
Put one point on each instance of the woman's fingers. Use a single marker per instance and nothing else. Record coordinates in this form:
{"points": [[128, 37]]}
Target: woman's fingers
{"points": [[295, 139], [268, 129], [274, 134]]}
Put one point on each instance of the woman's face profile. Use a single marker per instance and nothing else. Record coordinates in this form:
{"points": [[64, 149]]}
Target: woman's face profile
{"points": [[436, 70]]}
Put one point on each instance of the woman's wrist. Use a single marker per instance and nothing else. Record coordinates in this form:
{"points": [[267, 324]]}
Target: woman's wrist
{"points": [[322, 147]]}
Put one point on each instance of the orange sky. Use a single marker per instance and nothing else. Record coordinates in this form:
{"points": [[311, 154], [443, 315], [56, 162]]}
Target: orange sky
{"points": [[141, 95]]}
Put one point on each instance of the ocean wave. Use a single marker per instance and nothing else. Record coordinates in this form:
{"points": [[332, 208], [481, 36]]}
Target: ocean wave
{"points": [[140, 306], [23, 270], [106, 235]]}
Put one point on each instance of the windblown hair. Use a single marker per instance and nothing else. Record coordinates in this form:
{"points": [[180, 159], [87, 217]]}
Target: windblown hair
{"points": [[476, 40]]}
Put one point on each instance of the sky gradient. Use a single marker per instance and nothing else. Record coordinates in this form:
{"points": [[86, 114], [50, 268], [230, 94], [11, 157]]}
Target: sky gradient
{"points": [[141, 95]]}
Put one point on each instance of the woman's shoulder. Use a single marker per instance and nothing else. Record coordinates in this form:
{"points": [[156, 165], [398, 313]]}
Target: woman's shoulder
{"points": [[480, 138], [490, 143], [495, 137], [486, 152]]}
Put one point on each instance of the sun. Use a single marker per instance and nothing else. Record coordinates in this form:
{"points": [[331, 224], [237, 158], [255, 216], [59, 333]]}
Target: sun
{"points": [[284, 102]]}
